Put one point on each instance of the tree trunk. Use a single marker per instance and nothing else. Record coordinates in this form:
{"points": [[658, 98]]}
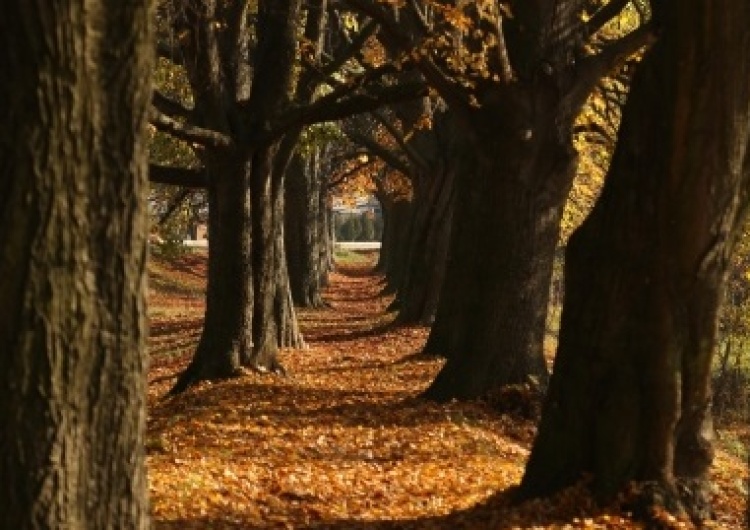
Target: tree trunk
{"points": [[227, 337], [305, 230], [431, 218], [629, 398], [418, 294], [73, 229], [248, 308], [274, 319], [512, 186], [394, 247]]}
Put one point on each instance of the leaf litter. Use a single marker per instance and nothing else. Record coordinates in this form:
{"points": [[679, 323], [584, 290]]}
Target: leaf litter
{"points": [[344, 441]]}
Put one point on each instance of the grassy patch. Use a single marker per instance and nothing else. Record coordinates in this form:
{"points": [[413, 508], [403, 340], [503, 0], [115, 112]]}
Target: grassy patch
{"points": [[345, 256]]}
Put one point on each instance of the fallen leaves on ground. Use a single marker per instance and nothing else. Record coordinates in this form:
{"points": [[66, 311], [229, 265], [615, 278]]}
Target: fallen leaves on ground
{"points": [[343, 441]]}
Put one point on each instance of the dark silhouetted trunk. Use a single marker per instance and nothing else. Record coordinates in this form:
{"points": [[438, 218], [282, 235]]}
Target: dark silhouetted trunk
{"points": [[73, 227], [248, 310], [629, 398], [274, 320], [512, 185], [306, 231], [394, 246], [419, 291], [226, 339], [430, 224]]}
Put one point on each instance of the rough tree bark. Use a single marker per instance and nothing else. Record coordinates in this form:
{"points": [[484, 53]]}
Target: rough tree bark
{"points": [[306, 229], [510, 193], [433, 188], [517, 115], [247, 308], [629, 398], [73, 230], [226, 339]]}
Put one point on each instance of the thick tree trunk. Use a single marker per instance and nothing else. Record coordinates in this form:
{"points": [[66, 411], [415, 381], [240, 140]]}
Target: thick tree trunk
{"points": [[248, 308], [73, 231], [227, 337], [629, 398], [512, 186]]}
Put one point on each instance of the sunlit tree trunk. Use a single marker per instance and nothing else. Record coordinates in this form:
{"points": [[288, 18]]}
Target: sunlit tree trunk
{"points": [[73, 185]]}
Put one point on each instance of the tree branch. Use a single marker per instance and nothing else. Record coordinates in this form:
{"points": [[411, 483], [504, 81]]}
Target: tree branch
{"points": [[169, 106], [593, 68], [607, 12], [408, 150], [450, 91], [328, 108], [177, 176], [343, 177], [174, 204], [386, 155], [187, 132]]}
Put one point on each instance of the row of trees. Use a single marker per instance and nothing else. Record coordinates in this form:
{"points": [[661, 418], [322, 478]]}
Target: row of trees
{"points": [[358, 227], [475, 105]]}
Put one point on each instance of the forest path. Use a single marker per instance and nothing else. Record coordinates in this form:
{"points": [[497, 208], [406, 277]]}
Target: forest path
{"points": [[342, 442]]}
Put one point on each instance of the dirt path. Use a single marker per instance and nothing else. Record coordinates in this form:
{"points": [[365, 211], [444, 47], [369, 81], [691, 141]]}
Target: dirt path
{"points": [[343, 441]]}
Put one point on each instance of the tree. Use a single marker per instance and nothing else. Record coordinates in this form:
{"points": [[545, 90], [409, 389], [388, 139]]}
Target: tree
{"points": [[630, 397], [419, 139], [515, 75], [249, 104], [306, 227], [72, 277]]}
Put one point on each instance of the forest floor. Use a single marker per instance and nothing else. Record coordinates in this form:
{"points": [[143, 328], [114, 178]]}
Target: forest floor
{"points": [[343, 441]]}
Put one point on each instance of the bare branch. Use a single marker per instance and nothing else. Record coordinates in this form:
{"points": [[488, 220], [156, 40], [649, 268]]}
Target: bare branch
{"points": [[331, 108], [502, 52], [367, 31], [420, 15], [345, 176], [408, 150], [386, 155], [174, 204], [169, 106], [187, 132]]}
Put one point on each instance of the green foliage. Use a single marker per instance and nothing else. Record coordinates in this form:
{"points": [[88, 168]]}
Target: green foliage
{"points": [[348, 227], [318, 135], [358, 227]]}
